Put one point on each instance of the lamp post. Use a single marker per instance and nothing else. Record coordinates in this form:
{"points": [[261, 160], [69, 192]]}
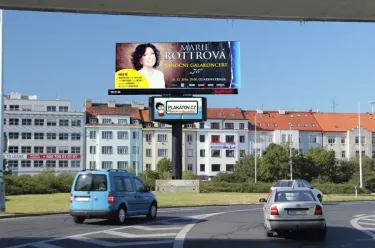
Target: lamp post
{"points": [[137, 150], [255, 150], [372, 106], [290, 151], [360, 146]]}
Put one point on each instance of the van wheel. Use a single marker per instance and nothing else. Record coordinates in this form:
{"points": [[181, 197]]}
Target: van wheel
{"points": [[153, 211], [78, 220], [120, 215]]}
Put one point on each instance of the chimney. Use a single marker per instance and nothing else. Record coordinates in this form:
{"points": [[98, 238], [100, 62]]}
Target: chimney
{"points": [[111, 104], [88, 103]]}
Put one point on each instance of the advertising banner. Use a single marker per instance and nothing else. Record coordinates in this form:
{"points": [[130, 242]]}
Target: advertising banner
{"points": [[225, 145], [167, 67], [41, 156], [178, 109]]}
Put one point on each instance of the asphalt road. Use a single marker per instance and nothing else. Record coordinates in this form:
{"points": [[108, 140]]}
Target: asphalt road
{"points": [[349, 225]]}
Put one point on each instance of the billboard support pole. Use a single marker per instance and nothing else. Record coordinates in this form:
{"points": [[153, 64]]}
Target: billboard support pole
{"points": [[177, 150]]}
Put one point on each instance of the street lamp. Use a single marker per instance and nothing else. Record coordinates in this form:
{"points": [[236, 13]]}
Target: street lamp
{"points": [[360, 146], [255, 150], [290, 151], [372, 106]]}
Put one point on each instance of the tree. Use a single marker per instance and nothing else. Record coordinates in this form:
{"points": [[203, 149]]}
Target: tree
{"points": [[244, 169], [324, 161], [275, 163], [188, 175], [164, 165]]}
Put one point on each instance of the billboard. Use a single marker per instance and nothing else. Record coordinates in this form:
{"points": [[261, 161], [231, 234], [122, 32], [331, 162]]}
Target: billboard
{"points": [[178, 109], [177, 68]]}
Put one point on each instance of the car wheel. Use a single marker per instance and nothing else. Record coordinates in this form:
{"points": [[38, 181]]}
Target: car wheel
{"points": [[78, 220], [153, 211], [120, 215]]}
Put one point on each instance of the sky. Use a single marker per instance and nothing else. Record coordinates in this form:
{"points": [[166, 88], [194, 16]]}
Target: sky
{"points": [[284, 65]]}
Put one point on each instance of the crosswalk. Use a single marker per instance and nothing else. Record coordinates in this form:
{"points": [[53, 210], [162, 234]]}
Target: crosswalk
{"points": [[157, 234]]}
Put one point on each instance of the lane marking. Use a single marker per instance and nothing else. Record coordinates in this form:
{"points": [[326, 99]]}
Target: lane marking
{"points": [[366, 223], [358, 215], [181, 236], [129, 235], [354, 223], [146, 228], [111, 244]]}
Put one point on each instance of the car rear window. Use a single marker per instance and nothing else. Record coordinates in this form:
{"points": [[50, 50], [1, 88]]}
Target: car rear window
{"points": [[293, 196], [283, 184], [92, 182]]}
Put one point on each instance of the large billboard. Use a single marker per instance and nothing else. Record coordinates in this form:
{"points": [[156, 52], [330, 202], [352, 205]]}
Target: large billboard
{"points": [[178, 109], [177, 68]]}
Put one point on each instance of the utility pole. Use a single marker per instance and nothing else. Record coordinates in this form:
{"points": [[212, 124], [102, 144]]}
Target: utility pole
{"points": [[334, 104]]}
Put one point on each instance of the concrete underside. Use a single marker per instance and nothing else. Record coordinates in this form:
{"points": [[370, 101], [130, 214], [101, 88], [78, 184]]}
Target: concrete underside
{"points": [[298, 10]]}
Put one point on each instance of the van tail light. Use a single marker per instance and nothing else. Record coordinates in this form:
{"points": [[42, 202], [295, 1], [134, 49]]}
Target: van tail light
{"points": [[274, 210], [71, 198], [111, 198], [318, 210]]}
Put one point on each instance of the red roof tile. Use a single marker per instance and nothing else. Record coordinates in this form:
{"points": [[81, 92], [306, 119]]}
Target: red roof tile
{"points": [[225, 113], [342, 122]]}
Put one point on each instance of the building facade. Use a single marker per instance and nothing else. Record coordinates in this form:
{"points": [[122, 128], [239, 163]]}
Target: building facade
{"points": [[157, 144], [221, 141], [113, 136], [43, 133]]}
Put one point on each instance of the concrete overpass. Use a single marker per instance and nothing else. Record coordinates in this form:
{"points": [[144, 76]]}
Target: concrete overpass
{"points": [[297, 10]]}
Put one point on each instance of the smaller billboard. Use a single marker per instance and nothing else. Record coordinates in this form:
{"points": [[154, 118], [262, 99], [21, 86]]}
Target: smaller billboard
{"points": [[178, 109]]}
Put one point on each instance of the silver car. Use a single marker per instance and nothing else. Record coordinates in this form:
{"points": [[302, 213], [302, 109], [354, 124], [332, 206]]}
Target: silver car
{"points": [[293, 209], [298, 183]]}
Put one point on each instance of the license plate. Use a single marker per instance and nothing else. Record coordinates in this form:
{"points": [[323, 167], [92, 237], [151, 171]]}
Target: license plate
{"points": [[82, 199], [296, 212]]}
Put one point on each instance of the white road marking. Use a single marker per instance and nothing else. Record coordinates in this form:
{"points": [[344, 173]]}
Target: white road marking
{"points": [[366, 223], [111, 244], [355, 224], [358, 215], [33, 217], [45, 245], [129, 235], [146, 228], [181, 236]]}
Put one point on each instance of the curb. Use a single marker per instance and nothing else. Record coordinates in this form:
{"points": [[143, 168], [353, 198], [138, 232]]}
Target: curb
{"points": [[171, 207]]}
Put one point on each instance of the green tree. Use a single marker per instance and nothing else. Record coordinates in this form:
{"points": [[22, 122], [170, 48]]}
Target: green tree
{"points": [[164, 165], [243, 170], [188, 175], [324, 161], [303, 168], [275, 163]]}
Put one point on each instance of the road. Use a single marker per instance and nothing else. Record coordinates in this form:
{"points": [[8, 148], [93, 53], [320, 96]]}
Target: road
{"points": [[349, 225]]}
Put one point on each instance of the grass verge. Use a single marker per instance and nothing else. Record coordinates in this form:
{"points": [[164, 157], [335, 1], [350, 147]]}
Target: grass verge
{"points": [[54, 203]]}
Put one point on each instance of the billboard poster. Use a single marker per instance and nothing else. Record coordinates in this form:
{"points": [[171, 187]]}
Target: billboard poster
{"points": [[166, 67], [166, 109]]}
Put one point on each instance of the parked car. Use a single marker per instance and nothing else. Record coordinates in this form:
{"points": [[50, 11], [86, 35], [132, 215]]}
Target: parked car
{"points": [[293, 209], [110, 194], [298, 183]]}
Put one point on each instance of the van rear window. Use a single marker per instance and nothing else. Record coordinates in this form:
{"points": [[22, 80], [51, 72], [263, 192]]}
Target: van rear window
{"points": [[92, 182]]}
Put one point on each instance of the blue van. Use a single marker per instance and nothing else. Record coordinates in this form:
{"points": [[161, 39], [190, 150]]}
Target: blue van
{"points": [[110, 194]]}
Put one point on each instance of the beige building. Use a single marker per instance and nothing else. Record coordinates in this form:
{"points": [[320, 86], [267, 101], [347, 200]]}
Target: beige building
{"points": [[157, 144]]}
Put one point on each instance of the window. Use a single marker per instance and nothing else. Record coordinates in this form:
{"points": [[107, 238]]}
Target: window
{"points": [[242, 153], [75, 149], [331, 140], [63, 136], [51, 123], [148, 152], [63, 149], [242, 126], [363, 140], [139, 186], [290, 196], [122, 150], [148, 166], [162, 152], [119, 184], [51, 163], [26, 122], [201, 138], [229, 138], [92, 149], [215, 138], [14, 107], [13, 163], [202, 167], [75, 164], [343, 154], [51, 149], [190, 167], [107, 165], [162, 138], [26, 149], [76, 136], [63, 108], [215, 153], [92, 164], [229, 167], [51, 136], [14, 122], [92, 134], [63, 164], [135, 135], [25, 163], [215, 167], [51, 108], [13, 149], [13, 135], [122, 121], [107, 135], [135, 150], [229, 125], [128, 184], [202, 153], [106, 150], [242, 139], [201, 125], [26, 136], [63, 123], [38, 136], [343, 140], [76, 123], [38, 163], [229, 153], [215, 125], [122, 135], [38, 149], [94, 182], [148, 137], [189, 138], [122, 164], [190, 152], [106, 121]]}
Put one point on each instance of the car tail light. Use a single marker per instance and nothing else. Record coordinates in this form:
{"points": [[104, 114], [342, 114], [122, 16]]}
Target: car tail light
{"points": [[318, 210], [274, 210], [71, 198], [111, 198]]}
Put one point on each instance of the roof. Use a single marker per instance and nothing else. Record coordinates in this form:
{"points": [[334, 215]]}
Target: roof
{"points": [[145, 115], [342, 122], [274, 120], [225, 113]]}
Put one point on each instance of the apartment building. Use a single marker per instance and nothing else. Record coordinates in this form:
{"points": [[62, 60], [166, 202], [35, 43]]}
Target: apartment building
{"points": [[221, 141], [43, 133], [114, 136], [341, 133], [298, 129], [157, 144]]}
